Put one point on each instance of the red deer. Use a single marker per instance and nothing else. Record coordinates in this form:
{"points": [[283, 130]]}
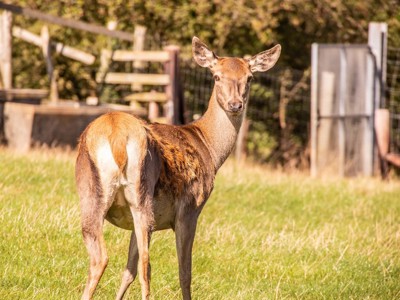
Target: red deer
{"points": [[147, 177]]}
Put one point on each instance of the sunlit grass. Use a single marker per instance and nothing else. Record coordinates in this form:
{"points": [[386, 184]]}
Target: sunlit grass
{"points": [[262, 235]]}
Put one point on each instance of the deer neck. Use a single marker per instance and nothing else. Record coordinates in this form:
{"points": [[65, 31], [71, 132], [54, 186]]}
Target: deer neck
{"points": [[220, 130]]}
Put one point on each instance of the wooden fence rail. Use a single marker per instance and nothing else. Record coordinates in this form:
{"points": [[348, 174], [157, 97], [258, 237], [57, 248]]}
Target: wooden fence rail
{"points": [[127, 55], [84, 26], [137, 79], [60, 48], [170, 99]]}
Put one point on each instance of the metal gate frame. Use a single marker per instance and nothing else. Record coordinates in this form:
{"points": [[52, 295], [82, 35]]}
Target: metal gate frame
{"points": [[318, 115], [377, 44]]}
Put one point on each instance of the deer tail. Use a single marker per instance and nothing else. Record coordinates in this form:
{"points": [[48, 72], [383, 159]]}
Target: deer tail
{"points": [[118, 148]]}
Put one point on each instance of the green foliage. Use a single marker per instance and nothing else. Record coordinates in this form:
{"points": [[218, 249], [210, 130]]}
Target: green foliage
{"points": [[262, 137], [261, 91], [246, 27], [260, 143], [262, 235], [230, 27]]}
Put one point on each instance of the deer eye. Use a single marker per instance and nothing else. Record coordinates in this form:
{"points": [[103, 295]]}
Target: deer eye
{"points": [[216, 78]]}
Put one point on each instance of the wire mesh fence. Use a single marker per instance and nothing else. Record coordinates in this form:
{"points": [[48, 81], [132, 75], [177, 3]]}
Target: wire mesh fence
{"points": [[279, 111], [393, 96], [279, 108], [197, 86]]}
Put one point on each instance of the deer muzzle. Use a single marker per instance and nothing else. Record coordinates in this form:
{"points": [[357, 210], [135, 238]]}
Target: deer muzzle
{"points": [[235, 106]]}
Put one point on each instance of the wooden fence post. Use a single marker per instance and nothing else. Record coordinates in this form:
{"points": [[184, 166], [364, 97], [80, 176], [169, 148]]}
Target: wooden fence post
{"points": [[153, 111], [138, 45], [6, 49], [382, 132], [240, 149], [46, 48], [104, 63], [174, 106], [5, 63]]}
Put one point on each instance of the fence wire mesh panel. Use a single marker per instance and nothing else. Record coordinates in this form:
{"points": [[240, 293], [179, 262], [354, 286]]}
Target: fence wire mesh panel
{"points": [[393, 96], [342, 110], [278, 111], [197, 84]]}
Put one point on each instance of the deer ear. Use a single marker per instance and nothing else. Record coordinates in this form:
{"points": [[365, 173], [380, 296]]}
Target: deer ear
{"points": [[265, 60], [202, 55]]}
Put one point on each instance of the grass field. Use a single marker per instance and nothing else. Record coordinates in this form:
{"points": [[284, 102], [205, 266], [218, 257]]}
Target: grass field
{"points": [[262, 235]]}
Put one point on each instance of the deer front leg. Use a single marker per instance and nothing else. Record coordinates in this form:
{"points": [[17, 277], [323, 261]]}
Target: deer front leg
{"points": [[131, 267], [185, 229]]}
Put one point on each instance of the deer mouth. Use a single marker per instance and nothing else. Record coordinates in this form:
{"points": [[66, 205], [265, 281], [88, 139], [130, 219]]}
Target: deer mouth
{"points": [[235, 113]]}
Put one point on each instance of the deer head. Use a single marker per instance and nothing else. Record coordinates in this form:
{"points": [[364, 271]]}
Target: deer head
{"points": [[233, 75]]}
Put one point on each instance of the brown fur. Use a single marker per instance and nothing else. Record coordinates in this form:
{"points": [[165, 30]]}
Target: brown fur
{"points": [[117, 128], [147, 177], [235, 65], [85, 165], [183, 162]]}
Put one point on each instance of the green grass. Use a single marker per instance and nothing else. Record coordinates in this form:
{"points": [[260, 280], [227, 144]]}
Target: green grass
{"points": [[262, 235]]}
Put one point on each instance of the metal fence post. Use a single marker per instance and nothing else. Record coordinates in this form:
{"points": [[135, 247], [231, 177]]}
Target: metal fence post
{"points": [[377, 40], [314, 110], [174, 107]]}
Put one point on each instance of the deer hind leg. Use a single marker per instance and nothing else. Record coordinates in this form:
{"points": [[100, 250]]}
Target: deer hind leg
{"points": [[96, 195], [139, 260], [142, 175], [92, 230], [130, 271]]}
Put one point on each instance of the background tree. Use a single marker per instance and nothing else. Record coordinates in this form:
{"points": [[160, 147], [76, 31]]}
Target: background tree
{"points": [[229, 26]]}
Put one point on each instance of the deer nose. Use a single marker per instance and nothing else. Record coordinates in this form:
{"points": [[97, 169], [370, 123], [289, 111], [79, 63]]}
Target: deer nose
{"points": [[235, 106]]}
